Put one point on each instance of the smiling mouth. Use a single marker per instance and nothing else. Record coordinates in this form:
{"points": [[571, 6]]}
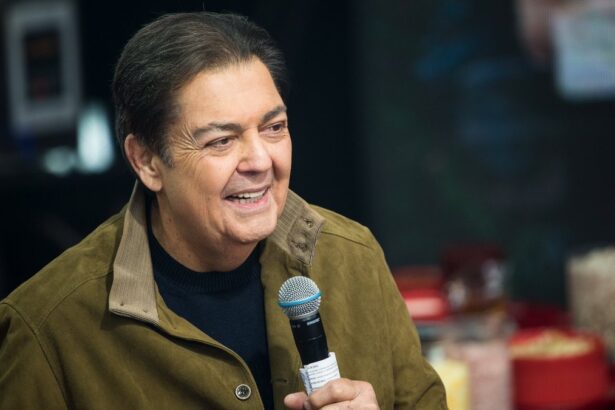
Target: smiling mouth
{"points": [[248, 197]]}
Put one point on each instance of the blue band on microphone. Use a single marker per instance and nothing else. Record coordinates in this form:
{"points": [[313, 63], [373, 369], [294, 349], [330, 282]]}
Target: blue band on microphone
{"points": [[299, 302]]}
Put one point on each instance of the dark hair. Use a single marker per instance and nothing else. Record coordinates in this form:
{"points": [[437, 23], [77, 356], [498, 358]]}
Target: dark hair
{"points": [[166, 54]]}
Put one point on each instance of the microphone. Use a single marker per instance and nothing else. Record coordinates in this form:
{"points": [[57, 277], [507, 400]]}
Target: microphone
{"points": [[300, 298]]}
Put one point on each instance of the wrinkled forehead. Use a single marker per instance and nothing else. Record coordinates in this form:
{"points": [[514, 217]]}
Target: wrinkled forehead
{"points": [[242, 93]]}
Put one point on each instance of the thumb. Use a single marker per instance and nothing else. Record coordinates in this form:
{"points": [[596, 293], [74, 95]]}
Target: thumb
{"points": [[295, 401]]}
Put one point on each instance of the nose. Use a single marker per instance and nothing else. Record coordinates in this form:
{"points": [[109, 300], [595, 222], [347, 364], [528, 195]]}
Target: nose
{"points": [[255, 156]]}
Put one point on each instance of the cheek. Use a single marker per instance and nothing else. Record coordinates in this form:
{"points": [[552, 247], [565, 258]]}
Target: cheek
{"points": [[212, 176], [282, 157]]}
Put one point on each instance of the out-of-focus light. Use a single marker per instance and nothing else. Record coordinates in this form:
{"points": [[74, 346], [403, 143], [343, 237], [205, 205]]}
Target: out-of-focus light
{"points": [[94, 140], [59, 161], [42, 66], [584, 42]]}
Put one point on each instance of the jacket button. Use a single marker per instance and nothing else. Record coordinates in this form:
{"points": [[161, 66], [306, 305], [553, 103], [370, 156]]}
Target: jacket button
{"points": [[243, 392]]}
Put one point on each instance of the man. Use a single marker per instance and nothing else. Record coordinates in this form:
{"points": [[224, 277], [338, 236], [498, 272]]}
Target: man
{"points": [[172, 302]]}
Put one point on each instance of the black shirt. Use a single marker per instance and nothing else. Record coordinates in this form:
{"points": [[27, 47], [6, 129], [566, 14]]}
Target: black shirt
{"points": [[228, 306]]}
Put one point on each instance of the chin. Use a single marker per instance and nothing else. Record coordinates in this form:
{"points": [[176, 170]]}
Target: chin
{"points": [[257, 234]]}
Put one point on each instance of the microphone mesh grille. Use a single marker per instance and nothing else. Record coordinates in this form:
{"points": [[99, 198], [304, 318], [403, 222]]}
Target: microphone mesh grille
{"points": [[296, 289]]}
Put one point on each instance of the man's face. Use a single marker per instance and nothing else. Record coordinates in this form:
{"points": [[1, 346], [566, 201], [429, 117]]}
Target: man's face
{"points": [[231, 153]]}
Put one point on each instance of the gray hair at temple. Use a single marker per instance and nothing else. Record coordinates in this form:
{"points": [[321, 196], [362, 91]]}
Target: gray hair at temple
{"points": [[168, 53]]}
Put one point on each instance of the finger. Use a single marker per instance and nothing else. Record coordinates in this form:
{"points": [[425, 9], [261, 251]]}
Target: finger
{"points": [[345, 405], [361, 395], [295, 401], [335, 391]]}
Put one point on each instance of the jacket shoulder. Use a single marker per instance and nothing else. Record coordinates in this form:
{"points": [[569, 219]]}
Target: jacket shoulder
{"points": [[90, 259], [345, 228]]}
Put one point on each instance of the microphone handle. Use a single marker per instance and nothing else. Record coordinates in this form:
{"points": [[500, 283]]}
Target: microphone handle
{"points": [[310, 338]]}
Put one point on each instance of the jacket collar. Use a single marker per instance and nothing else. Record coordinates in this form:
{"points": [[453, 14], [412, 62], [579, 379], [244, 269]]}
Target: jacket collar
{"points": [[133, 291]]}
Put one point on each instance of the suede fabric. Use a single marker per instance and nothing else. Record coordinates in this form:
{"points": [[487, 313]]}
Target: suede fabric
{"points": [[91, 331]]}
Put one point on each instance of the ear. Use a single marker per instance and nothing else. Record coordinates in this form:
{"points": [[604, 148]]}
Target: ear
{"points": [[144, 162]]}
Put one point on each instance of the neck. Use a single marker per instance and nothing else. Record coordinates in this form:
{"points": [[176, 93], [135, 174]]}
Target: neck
{"points": [[196, 255]]}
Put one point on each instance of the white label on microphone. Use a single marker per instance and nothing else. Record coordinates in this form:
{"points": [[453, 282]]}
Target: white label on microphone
{"points": [[317, 374]]}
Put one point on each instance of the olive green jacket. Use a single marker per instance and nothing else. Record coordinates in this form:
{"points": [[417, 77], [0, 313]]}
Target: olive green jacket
{"points": [[91, 330]]}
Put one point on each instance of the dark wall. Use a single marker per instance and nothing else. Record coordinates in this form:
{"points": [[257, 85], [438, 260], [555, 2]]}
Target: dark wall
{"points": [[468, 141], [48, 214], [423, 119], [316, 38]]}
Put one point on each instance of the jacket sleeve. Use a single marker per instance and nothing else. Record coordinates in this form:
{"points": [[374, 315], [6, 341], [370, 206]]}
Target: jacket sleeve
{"points": [[26, 380], [417, 385]]}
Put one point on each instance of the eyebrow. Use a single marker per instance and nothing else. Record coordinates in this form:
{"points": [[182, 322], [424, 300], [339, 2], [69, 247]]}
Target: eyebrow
{"points": [[273, 113], [235, 127]]}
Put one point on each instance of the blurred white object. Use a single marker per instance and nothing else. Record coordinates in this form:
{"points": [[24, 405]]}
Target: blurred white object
{"points": [[480, 341], [59, 161], [591, 288], [94, 140], [42, 66], [584, 43]]}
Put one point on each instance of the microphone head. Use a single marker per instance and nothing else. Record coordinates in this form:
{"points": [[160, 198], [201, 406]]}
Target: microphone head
{"points": [[299, 297]]}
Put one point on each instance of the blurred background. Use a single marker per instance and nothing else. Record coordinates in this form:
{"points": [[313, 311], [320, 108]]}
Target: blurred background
{"points": [[434, 123], [457, 130]]}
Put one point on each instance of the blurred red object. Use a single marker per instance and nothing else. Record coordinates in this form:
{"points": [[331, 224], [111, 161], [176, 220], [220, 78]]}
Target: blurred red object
{"points": [[564, 382], [418, 277], [426, 305], [471, 255], [421, 288], [530, 315], [475, 276]]}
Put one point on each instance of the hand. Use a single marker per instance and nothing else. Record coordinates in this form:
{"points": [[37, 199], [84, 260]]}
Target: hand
{"points": [[336, 394]]}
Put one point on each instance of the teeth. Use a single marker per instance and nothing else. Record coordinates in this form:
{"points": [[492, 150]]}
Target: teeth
{"points": [[248, 197]]}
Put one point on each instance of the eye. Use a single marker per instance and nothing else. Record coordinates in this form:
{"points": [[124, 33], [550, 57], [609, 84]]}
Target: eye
{"points": [[220, 143], [277, 127]]}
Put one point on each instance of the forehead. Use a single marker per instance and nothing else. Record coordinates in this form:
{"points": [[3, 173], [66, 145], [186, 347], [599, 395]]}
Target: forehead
{"points": [[239, 93]]}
